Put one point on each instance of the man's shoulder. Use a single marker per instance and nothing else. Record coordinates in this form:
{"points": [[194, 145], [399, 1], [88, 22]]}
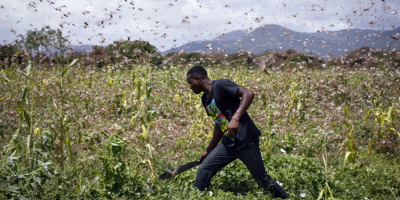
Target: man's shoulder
{"points": [[221, 81]]}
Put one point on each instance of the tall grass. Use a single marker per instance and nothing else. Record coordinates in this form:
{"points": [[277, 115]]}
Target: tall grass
{"points": [[111, 131]]}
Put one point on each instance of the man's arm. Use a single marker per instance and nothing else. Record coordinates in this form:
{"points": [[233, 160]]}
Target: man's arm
{"points": [[217, 135], [247, 97]]}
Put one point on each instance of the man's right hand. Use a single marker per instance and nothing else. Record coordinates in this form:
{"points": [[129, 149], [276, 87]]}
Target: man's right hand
{"points": [[203, 155]]}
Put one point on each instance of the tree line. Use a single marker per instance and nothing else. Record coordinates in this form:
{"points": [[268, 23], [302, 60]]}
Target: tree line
{"points": [[48, 47]]}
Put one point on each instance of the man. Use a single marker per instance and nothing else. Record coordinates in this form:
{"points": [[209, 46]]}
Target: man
{"points": [[221, 99]]}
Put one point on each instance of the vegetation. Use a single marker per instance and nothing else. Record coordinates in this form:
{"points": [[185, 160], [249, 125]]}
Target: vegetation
{"points": [[8, 55], [134, 51], [105, 124], [35, 42], [77, 132]]}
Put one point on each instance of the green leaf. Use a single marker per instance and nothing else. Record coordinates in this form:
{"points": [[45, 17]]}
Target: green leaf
{"points": [[73, 62], [58, 84], [150, 113], [149, 88], [45, 163], [5, 79], [22, 94], [382, 119], [69, 150], [346, 111], [28, 68], [117, 166], [21, 176], [83, 188], [149, 149], [366, 116], [177, 98], [28, 143], [133, 76], [65, 71], [329, 189], [142, 120], [39, 188], [349, 156], [23, 73], [133, 119], [138, 88], [59, 60], [321, 194], [20, 113], [137, 166], [13, 188], [38, 180], [105, 134], [298, 105], [111, 82], [137, 80], [144, 135], [27, 118]]}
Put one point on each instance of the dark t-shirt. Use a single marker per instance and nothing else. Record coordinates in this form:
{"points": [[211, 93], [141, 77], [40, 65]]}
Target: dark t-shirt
{"points": [[221, 106]]}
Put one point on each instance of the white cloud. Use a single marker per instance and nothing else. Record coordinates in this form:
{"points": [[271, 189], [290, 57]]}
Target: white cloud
{"points": [[151, 19]]}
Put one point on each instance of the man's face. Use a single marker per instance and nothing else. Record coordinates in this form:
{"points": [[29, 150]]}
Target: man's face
{"points": [[195, 84]]}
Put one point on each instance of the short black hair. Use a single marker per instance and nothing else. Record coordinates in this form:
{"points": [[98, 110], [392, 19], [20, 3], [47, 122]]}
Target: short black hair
{"points": [[198, 71]]}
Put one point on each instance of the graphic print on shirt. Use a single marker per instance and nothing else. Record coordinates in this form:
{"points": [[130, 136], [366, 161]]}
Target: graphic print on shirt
{"points": [[217, 116]]}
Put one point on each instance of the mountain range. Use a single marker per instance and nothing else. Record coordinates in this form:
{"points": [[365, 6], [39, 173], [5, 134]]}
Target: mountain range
{"points": [[83, 48], [275, 37]]}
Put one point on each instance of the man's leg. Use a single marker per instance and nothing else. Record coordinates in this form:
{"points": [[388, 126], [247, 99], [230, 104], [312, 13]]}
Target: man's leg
{"points": [[251, 157], [218, 158]]}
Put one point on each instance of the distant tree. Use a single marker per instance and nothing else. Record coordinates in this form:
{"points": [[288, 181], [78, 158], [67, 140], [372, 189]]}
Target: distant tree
{"points": [[34, 41], [136, 51], [171, 53], [7, 51], [99, 55], [37, 41], [58, 40], [8, 54]]}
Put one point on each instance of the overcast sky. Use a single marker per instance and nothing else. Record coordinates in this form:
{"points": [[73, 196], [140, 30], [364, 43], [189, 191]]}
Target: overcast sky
{"points": [[165, 23]]}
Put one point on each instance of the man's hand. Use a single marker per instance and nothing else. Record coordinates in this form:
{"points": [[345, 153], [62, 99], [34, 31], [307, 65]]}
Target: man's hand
{"points": [[203, 155], [233, 128]]}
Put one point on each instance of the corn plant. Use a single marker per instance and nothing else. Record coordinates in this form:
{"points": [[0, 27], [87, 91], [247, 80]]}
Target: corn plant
{"points": [[25, 104], [17, 181], [387, 135], [327, 191], [140, 120], [62, 132], [349, 141]]}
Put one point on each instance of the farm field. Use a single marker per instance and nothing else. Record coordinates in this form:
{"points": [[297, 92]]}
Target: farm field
{"points": [[76, 132]]}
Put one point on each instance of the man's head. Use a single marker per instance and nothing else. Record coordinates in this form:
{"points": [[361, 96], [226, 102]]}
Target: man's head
{"points": [[195, 77]]}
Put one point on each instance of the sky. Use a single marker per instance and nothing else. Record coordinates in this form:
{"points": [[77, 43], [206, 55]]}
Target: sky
{"points": [[171, 23]]}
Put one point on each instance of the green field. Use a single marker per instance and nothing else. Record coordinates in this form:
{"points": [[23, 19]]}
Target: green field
{"points": [[108, 133]]}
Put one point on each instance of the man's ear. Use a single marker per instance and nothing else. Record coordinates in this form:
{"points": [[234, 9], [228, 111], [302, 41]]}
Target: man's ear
{"points": [[198, 79]]}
